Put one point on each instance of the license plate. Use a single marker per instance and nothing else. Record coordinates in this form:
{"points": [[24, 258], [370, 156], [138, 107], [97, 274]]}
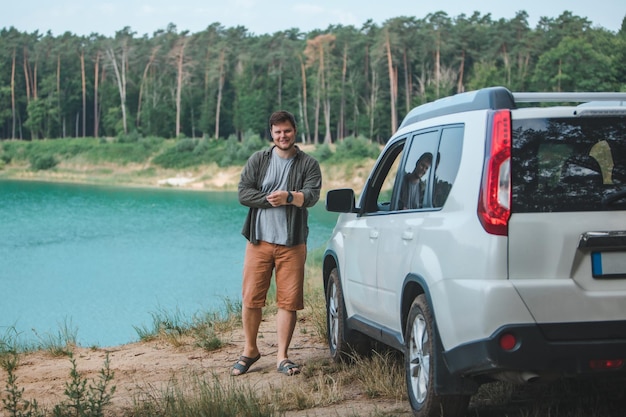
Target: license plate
{"points": [[608, 264]]}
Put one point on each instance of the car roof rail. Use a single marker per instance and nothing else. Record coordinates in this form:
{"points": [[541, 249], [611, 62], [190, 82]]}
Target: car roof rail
{"points": [[565, 97], [495, 98]]}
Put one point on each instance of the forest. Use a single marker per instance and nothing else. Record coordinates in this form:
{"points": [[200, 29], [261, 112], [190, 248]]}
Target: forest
{"points": [[342, 81]]}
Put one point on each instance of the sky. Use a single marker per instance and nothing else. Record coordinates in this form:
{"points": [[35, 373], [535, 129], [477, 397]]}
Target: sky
{"points": [[144, 17]]}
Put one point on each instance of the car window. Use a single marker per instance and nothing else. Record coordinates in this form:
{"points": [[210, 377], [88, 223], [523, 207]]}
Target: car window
{"points": [[569, 164], [413, 186], [447, 163], [378, 193]]}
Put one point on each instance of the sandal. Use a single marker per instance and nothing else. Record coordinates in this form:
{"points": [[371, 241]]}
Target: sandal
{"points": [[243, 364], [288, 368]]}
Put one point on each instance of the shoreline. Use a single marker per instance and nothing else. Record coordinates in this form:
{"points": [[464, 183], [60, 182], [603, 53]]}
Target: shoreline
{"points": [[202, 178], [205, 178]]}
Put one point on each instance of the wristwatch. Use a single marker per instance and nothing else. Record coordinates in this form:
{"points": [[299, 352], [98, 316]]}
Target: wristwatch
{"points": [[289, 197]]}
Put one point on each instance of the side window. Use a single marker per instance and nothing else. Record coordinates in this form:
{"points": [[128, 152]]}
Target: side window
{"points": [[447, 165], [416, 173], [378, 193]]}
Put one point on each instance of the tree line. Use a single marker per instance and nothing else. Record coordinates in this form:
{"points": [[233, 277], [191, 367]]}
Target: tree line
{"points": [[342, 81]]}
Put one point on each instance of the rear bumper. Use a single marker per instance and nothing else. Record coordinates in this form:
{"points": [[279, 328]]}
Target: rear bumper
{"points": [[566, 349]]}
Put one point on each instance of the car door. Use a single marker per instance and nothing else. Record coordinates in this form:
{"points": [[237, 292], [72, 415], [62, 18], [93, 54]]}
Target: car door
{"points": [[361, 234], [399, 234]]}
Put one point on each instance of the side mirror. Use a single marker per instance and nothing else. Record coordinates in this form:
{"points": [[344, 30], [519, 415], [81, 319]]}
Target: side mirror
{"points": [[340, 200]]}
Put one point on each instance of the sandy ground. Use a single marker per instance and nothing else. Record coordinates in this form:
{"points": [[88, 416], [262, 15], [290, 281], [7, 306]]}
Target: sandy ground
{"points": [[144, 370]]}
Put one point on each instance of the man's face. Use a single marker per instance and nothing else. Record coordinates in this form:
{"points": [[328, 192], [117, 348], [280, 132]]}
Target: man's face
{"points": [[284, 135], [421, 168]]}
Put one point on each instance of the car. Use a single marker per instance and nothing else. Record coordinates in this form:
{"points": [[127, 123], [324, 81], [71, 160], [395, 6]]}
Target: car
{"points": [[487, 244]]}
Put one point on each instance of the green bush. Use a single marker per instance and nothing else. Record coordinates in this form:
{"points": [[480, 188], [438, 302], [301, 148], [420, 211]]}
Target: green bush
{"points": [[322, 153], [356, 148], [42, 162], [124, 151]]}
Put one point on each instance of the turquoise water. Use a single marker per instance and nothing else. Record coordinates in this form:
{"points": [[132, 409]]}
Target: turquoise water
{"points": [[102, 260]]}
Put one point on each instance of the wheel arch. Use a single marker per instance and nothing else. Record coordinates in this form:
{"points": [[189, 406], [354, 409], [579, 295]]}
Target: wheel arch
{"points": [[412, 287], [330, 262], [445, 382]]}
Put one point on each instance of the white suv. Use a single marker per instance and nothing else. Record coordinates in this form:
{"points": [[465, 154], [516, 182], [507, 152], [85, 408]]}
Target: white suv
{"points": [[509, 264]]}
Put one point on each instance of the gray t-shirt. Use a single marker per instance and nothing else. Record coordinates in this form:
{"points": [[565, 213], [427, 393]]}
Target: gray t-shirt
{"points": [[271, 225]]}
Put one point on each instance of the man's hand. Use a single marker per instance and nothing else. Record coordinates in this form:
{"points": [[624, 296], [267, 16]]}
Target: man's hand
{"points": [[278, 198]]}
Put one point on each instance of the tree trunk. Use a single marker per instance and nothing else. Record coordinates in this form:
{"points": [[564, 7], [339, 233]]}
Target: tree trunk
{"points": [[317, 109], [437, 65], [96, 114], [280, 85], [61, 119], [372, 102], [120, 75], [341, 124], [143, 82], [179, 83], [393, 85], [13, 107], [84, 88], [408, 89], [27, 76], [326, 98], [305, 114], [459, 85], [220, 88]]}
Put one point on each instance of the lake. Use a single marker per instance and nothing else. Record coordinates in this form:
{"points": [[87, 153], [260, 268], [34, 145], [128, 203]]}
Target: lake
{"points": [[103, 260]]}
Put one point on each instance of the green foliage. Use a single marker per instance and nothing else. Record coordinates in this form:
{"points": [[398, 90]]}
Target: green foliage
{"points": [[574, 65], [236, 153], [42, 162], [322, 153], [350, 149], [186, 152], [46, 154], [434, 55], [14, 403], [356, 148], [86, 398]]}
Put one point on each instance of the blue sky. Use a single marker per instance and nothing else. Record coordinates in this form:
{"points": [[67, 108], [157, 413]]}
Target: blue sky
{"points": [[105, 17]]}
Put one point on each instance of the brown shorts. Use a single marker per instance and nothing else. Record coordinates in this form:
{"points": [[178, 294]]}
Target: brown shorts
{"points": [[259, 263]]}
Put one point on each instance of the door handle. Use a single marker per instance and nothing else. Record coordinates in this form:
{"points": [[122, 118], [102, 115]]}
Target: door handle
{"points": [[407, 235]]}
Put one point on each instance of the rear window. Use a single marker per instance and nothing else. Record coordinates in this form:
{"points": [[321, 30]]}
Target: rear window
{"points": [[568, 164]]}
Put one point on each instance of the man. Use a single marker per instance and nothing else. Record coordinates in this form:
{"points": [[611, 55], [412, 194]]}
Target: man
{"points": [[412, 189], [277, 184]]}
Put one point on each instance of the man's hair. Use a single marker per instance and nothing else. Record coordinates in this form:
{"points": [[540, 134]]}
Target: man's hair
{"points": [[282, 116], [426, 157]]}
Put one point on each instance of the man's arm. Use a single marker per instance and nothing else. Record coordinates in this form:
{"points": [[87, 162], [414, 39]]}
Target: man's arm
{"points": [[309, 194], [249, 194]]}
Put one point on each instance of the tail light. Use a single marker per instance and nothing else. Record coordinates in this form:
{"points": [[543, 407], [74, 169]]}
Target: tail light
{"points": [[494, 204], [605, 364]]}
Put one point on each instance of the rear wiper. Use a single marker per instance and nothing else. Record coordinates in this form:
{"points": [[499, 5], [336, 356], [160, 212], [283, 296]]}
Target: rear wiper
{"points": [[614, 198]]}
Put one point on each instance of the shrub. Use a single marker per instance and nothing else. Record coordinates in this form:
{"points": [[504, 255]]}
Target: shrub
{"points": [[356, 148], [322, 153], [42, 162]]}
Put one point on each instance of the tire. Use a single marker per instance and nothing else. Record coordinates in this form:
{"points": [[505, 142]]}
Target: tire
{"points": [[335, 318], [420, 359]]}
